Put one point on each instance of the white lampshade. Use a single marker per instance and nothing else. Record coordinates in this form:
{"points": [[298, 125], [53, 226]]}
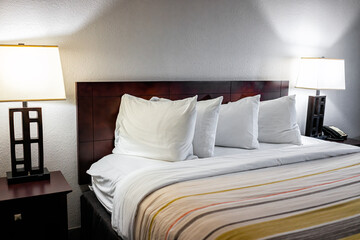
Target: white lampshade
{"points": [[30, 73], [321, 73]]}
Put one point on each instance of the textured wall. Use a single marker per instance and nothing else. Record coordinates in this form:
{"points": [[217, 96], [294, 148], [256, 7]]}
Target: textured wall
{"points": [[170, 39]]}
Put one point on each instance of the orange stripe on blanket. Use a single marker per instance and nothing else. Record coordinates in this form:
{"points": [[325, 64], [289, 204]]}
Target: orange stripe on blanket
{"points": [[233, 189], [295, 222], [265, 196]]}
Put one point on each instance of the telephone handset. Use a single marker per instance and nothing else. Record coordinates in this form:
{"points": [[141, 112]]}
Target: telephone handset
{"points": [[334, 133]]}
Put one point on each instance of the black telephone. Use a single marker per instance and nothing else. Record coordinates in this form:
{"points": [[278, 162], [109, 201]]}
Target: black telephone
{"points": [[334, 133]]}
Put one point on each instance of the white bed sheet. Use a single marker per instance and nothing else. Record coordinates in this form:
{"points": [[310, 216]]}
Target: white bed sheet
{"points": [[113, 168], [223, 151], [138, 185]]}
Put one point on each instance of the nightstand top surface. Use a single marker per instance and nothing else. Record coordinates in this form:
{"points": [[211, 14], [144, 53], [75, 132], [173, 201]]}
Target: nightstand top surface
{"points": [[56, 184], [350, 141]]}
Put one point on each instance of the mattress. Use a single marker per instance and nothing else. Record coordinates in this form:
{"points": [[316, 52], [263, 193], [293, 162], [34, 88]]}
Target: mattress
{"points": [[307, 200], [290, 191], [113, 168]]}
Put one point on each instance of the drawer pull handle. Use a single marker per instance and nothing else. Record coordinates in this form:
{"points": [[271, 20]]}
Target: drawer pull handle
{"points": [[17, 217]]}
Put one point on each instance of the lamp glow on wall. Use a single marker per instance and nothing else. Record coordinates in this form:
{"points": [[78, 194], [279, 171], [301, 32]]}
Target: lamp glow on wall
{"points": [[29, 73], [319, 74]]}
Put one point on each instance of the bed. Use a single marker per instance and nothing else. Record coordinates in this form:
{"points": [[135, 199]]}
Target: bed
{"points": [[287, 193]]}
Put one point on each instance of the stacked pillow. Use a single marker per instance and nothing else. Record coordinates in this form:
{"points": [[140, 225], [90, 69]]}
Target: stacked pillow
{"points": [[238, 123], [177, 130], [277, 121], [205, 127], [161, 130]]}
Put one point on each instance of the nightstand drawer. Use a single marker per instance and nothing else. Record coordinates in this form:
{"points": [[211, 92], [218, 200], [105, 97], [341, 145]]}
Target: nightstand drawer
{"points": [[36, 218]]}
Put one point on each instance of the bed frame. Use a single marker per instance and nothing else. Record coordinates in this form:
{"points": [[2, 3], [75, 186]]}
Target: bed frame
{"points": [[98, 104]]}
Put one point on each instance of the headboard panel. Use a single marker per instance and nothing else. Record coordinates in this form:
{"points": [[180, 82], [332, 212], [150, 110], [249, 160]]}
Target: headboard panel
{"points": [[98, 104]]}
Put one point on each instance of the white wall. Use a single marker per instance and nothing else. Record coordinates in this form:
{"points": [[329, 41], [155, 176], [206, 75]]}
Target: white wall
{"points": [[171, 39]]}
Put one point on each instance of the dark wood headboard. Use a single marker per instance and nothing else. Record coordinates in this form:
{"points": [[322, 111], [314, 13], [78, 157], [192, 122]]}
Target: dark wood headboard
{"points": [[98, 104]]}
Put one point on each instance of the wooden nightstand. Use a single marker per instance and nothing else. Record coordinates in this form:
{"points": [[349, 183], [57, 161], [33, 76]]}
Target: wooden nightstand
{"points": [[350, 141], [34, 210]]}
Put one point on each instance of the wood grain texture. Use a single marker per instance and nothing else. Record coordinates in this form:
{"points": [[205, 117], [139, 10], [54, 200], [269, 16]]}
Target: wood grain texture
{"points": [[105, 110], [85, 159], [116, 89], [85, 117], [98, 104], [56, 184], [103, 148], [203, 87]]}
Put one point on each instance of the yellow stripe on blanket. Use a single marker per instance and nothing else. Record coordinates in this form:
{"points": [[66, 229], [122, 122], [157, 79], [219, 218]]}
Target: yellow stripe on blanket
{"points": [[296, 222], [239, 188]]}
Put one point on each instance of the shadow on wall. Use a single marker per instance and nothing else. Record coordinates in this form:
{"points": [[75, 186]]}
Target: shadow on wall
{"points": [[23, 19], [138, 40], [162, 40], [317, 23]]}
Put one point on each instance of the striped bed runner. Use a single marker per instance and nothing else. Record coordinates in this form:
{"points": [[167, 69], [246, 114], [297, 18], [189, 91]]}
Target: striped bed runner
{"points": [[311, 200]]}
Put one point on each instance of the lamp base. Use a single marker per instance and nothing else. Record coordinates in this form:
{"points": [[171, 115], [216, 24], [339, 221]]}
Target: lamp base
{"points": [[27, 178], [315, 116]]}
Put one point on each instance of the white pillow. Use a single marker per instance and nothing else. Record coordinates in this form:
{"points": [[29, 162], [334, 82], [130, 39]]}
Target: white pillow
{"points": [[277, 121], [205, 127], [238, 123], [158, 130]]}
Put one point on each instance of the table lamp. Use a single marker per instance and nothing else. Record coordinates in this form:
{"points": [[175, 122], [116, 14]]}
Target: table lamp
{"points": [[29, 73], [319, 74]]}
